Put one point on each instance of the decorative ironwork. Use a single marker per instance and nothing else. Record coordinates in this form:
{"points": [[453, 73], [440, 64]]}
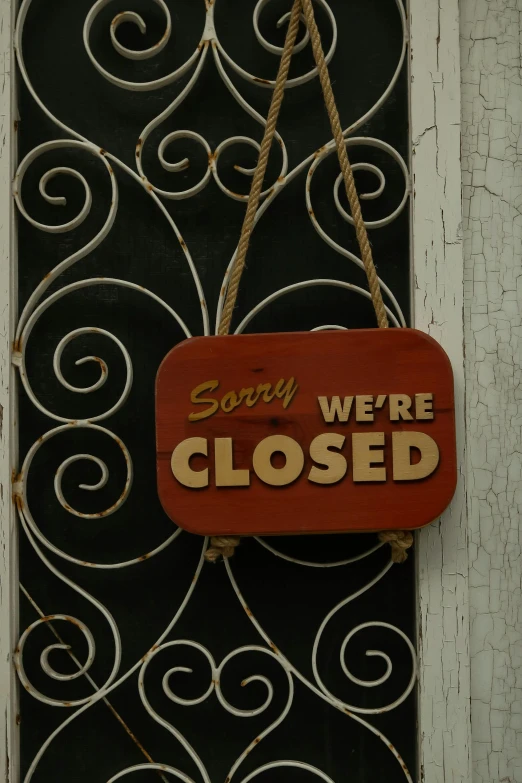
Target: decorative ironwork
{"points": [[210, 47]]}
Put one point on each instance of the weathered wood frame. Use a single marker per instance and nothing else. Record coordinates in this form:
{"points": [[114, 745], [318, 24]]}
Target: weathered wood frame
{"points": [[438, 302], [437, 285]]}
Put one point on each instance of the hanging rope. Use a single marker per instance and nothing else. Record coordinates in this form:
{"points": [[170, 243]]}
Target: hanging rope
{"points": [[259, 175], [346, 169], [223, 546]]}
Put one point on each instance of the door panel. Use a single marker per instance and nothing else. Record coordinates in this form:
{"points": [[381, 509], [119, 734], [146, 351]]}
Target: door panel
{"points": [[104, 553]]}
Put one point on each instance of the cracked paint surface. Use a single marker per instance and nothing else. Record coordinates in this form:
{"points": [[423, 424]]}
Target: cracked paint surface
{"points": [[441, 548], [492, 192]]}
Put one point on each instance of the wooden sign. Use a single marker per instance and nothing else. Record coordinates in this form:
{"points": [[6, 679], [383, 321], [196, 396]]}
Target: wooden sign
{"points": [[308, 432]]}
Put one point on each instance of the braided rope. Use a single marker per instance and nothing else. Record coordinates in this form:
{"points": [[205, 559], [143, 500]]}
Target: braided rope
{"points": [[259, 175], [346, 169], [221, 546], [400, 541]]}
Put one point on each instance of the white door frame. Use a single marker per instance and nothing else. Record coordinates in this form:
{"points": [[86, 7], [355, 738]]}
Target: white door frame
{"points": [[438, 302], [437, 286]]}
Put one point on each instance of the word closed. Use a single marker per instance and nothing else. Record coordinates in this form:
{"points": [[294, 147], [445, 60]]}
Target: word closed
{"points": [[305, 432]]}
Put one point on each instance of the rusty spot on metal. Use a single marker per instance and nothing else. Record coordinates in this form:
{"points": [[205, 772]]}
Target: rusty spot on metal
{"points": [[17, 650], [182, 243], [19, 502], [274, 648], [18, 719], [311, 212], [47, 276], [16, 477], [102, 151], [150, 188], [110, 170], [17, 345], [248, 611], [261, 81], [281, 178], [16, 124], [319, 151], [143, 557], [66, 703]]}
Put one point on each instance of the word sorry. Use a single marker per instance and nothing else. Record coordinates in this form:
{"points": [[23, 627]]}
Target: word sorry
{"points": [[231, 400], [330, 465]]}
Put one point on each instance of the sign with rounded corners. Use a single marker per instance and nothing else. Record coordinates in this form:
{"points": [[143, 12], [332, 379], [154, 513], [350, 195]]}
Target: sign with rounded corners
{"points": [[308, 432]]}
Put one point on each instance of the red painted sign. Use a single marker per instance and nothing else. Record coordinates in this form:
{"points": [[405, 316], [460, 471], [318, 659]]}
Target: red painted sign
{"points": [[308, 432]]}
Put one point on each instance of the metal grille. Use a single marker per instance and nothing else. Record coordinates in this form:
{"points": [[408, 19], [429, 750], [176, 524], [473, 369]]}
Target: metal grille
{"points": [[138, 134]]}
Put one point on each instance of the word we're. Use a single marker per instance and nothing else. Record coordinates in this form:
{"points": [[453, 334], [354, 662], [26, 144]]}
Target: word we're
{"points": [[362, 407]]}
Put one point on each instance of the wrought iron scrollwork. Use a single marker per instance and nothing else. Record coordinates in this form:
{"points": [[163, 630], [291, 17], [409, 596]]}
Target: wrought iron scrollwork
{"points": [[210, 48]]}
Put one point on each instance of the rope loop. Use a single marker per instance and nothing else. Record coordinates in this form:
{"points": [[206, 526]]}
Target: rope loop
{"points": [[221, 547], [400, 541]]}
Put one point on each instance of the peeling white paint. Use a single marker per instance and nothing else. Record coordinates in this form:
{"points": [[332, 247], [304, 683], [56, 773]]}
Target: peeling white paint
{"points": [[492, 191], [442, 548]]}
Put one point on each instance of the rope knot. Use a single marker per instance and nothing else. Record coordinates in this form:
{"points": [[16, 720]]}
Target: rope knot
{"points": [[400, 541], [221, 546]]}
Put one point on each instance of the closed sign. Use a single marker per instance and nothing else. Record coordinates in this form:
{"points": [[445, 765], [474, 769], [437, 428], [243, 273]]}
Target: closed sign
{"points": [[309, 432]]}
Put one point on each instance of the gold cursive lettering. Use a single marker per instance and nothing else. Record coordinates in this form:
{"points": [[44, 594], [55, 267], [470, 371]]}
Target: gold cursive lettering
{"points": [[283, 390], [197, 400]]}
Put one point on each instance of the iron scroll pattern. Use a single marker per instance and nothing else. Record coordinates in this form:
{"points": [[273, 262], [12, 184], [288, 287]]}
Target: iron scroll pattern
{"points": [[210, 49]]}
